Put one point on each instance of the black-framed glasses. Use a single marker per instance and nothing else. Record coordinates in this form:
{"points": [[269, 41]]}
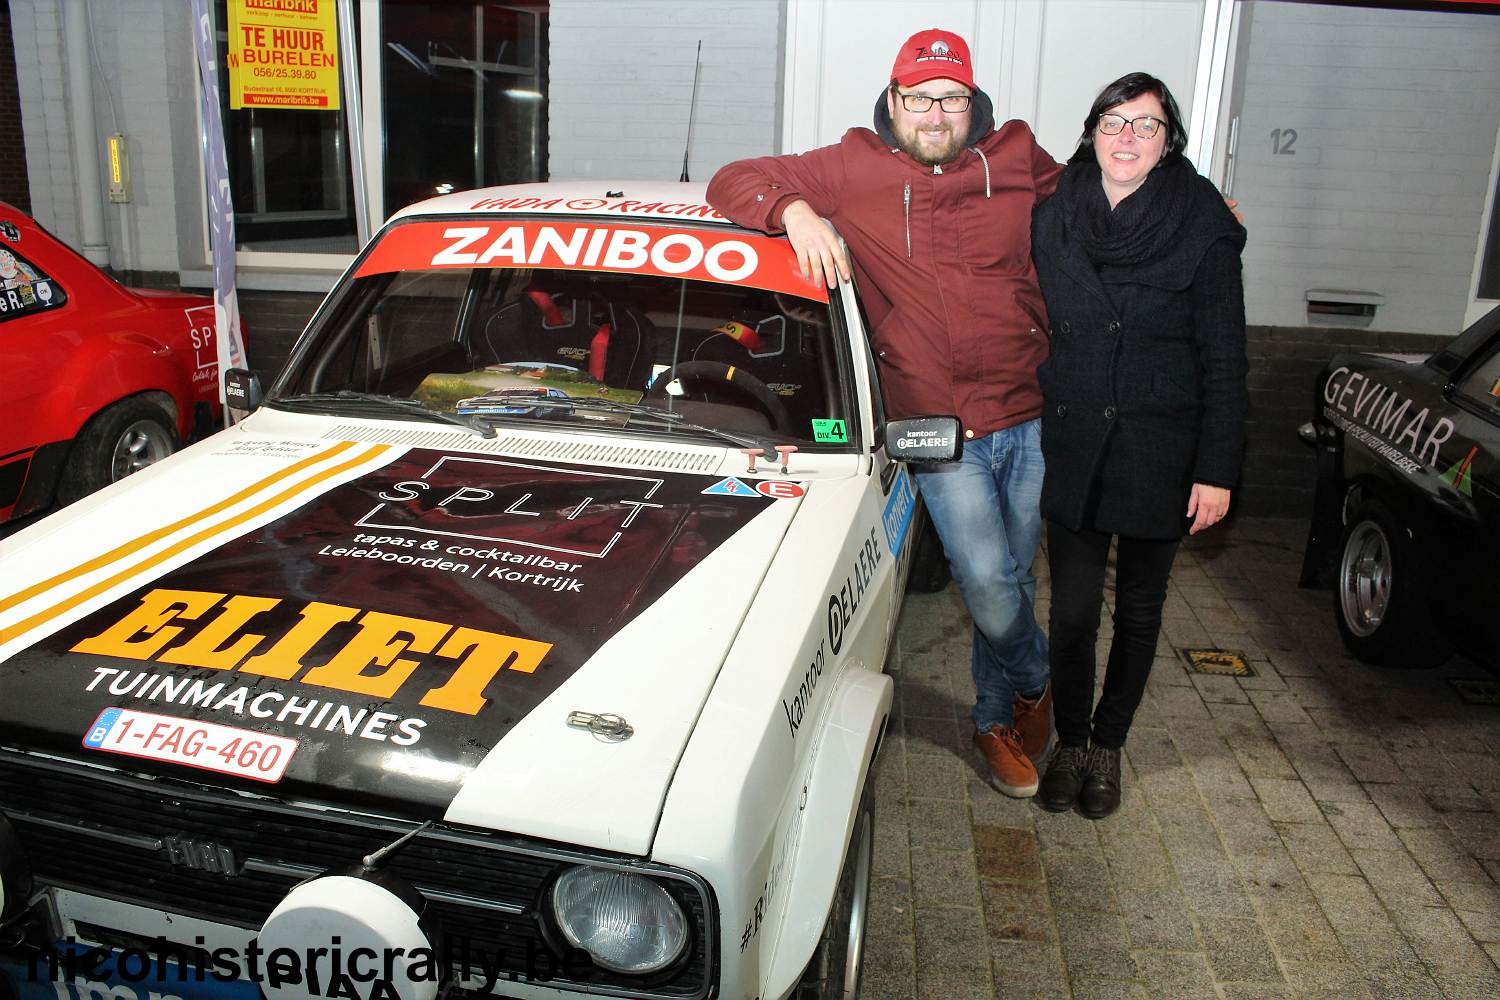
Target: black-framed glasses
{"points": [[1144, 127], [921, 103]]}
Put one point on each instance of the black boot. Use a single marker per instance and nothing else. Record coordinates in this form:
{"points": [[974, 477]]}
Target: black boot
{"points": [[1100, 794], [1065, 770]]}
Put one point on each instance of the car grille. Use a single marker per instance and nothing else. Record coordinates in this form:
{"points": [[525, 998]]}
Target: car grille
{"points": [[104, 833]]}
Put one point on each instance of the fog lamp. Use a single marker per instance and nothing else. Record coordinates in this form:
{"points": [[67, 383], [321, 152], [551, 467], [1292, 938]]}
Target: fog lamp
{"points": [[342, 913]]}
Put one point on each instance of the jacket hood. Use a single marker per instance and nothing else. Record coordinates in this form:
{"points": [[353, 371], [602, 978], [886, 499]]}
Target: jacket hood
{"points": [[981, 119]]}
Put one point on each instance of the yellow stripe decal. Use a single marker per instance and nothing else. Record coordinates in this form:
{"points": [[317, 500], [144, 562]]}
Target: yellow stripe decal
{"points": [[729, 375], [136, 544], [6, 635]]}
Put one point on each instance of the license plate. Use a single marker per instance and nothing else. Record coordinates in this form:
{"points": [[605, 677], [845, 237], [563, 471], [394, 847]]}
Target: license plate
{"points": [[205, 745]]}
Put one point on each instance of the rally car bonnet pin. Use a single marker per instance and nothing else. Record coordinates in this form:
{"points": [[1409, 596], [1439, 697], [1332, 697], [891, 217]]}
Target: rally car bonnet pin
{"points": [[607, 727]]}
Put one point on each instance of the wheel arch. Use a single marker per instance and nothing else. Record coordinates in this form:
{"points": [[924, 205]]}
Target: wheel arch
{"points": [[86, 469], [1390, 602], [159, 398], [131, 365], [853, 732], [1414, 509]]}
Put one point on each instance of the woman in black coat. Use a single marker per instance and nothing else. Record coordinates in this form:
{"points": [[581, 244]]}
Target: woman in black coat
{"points": [[1142, 429]]}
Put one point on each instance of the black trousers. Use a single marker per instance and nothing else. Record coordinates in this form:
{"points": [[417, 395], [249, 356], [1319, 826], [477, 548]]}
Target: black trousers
{"points": [[1077, 560]]}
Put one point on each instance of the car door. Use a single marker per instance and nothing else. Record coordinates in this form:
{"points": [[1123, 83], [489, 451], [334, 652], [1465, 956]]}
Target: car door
{"points": [[891, 480], [33, 344], [1470, 463]]}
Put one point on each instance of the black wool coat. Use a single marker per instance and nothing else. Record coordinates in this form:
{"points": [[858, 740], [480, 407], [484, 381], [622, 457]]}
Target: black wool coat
{"points": [[1144, 387]]}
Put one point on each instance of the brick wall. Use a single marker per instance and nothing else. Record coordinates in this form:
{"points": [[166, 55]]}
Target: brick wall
{"points": [[14, 187], [1284, 362], [1384, 186], [621, 79], [273, 322]]}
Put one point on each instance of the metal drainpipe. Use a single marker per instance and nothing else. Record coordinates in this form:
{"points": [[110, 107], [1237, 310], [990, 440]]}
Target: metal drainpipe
{"points": [[85, 140]]}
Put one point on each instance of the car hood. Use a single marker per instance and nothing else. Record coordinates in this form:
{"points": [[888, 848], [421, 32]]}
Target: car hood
{"points": [[419, 623]]}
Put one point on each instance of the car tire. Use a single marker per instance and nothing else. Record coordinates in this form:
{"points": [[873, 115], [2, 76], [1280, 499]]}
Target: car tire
{"points": [[122, 439], [929, 563], [1384, 592], [838, 960]]}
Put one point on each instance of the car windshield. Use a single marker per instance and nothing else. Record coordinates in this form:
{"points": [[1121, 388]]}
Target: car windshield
{"points": [[756, 358]]}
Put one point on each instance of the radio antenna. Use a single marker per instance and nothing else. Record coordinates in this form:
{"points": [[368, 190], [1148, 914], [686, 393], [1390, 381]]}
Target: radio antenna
{"points": [[692, 109]]}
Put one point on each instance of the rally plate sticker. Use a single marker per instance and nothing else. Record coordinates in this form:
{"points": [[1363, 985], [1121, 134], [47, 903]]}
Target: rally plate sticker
{"points": [[205, 745]]}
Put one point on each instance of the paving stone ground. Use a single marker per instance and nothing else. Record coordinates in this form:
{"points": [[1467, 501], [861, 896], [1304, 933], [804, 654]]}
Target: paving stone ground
{"points": [[1321, 829]]}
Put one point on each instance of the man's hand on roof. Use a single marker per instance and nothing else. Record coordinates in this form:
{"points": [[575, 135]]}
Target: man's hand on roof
{"points": [[820, 251]]}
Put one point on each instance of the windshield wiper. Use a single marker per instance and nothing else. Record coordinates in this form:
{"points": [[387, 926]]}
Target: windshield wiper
{"points": [[346, 399], [674, 420]]}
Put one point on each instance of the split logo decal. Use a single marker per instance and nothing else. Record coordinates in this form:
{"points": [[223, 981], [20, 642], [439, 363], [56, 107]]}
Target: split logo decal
{"points": [[530, 515]]}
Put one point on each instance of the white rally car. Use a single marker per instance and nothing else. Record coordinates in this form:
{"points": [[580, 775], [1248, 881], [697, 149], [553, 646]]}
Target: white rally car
{"points": [[370, 697]]}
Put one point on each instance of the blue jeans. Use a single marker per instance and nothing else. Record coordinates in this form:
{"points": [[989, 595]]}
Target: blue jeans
{"points": [[987, 510]]}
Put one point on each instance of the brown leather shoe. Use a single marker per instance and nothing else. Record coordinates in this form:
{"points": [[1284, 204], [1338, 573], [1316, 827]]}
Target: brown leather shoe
{"points": [[1034, 723], [1010, 771]]}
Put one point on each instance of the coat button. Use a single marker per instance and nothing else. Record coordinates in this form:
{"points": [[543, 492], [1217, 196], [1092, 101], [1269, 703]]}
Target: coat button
{"points": [[1114, 327], [1109, 413], [1062, 409], [1066, 328], [969, 433]]}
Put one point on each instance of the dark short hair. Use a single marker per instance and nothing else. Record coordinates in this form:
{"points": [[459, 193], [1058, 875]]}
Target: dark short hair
{"points": [[1128, 88]]}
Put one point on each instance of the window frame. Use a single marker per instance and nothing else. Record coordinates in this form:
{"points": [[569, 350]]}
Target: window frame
{"points": [[299, 271]]}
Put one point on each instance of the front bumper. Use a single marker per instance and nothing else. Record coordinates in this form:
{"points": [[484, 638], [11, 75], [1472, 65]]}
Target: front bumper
{"points": [[151, 864]]}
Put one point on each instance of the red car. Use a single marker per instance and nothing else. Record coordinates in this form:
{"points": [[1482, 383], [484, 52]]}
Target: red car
{"points": [[96, 380]]}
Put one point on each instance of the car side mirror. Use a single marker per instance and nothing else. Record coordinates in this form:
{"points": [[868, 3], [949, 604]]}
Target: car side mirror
{"points": [[242, 390], [924, 439]]}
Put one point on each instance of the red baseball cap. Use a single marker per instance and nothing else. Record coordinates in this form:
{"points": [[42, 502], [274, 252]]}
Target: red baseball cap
{"points": [[933, 54]]}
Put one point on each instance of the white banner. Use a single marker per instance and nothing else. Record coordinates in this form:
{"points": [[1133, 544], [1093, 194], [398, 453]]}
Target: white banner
{"points": [[229, 338]]}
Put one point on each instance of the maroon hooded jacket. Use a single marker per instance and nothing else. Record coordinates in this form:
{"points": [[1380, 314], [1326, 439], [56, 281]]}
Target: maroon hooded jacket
{"points": [[942, 256]]}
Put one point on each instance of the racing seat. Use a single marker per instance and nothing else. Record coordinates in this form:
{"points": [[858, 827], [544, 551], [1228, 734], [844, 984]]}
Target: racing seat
{"points": [[613, 342]]}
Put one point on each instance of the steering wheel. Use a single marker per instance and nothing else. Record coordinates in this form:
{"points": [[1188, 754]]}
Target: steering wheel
{"points": [[739, 378]]}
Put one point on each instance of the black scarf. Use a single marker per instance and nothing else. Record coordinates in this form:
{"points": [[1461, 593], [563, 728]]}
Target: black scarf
{"points": [[1146, 224]]}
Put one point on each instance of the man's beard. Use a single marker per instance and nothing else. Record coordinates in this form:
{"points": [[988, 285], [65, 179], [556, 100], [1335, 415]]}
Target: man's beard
{"points": [[929, 155]]}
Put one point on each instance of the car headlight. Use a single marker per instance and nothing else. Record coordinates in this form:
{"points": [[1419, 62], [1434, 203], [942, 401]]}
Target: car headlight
{"points": [[626, 922]]}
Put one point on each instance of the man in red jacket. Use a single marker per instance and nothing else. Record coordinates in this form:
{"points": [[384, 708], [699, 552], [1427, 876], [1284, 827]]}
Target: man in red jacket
{"points": [[936, 204]]}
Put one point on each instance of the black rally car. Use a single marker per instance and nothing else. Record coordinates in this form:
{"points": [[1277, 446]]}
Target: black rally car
{"points": [[1406, 517]]}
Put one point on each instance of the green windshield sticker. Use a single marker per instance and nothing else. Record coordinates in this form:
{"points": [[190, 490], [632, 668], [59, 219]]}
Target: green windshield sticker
{"points": [[830, 432]]}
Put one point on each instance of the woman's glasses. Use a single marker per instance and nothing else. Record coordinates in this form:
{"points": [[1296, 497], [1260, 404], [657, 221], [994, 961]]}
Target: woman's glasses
{"points": [[1144, 127]]}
